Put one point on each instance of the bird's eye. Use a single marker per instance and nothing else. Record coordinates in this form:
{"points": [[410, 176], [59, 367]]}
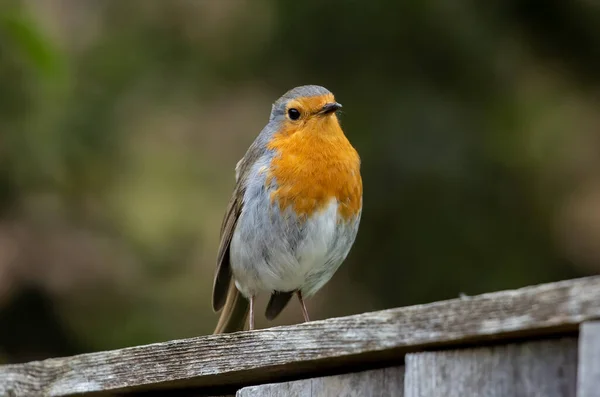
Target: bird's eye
{"points": [[294, 114]]}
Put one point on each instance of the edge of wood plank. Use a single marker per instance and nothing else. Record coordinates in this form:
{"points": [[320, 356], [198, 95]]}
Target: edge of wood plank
{"points": [[274, 354], [588, 371]]}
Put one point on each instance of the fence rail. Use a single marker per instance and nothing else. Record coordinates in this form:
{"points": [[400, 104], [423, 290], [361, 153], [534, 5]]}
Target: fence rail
{"points": [[540, 341]]}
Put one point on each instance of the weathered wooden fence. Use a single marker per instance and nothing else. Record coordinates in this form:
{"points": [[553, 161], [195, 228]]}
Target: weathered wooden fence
{"points": [[536, 341]]}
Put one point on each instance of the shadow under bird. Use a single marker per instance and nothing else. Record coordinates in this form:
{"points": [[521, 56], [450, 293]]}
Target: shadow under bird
{"points": [[294, 212]]}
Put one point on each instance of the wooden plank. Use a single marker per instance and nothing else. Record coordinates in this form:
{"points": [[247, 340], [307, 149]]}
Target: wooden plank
{"points": [[373, 383], [543, 369], [301, 351], [588, 382]]}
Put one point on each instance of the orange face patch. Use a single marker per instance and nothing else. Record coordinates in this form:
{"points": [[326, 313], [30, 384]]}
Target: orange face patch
{"points": [[315, 163]]}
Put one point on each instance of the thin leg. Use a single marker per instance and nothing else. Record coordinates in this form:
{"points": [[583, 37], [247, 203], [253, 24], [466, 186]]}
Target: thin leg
{"points": [[304, 311], [251, 313]]}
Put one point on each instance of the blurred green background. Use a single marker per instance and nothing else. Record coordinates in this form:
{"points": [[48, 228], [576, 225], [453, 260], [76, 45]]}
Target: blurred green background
{"points": [[121, 123]]}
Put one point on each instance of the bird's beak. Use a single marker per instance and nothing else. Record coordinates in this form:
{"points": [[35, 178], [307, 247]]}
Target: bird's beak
{"points": [[330, 108]]}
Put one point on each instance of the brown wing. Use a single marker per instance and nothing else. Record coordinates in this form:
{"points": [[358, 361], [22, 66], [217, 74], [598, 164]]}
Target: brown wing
{"points": [[223, 272]]}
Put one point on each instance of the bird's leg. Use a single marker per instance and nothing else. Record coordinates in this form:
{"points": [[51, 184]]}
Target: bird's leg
{"points": [[304, 311], [251, 319]]}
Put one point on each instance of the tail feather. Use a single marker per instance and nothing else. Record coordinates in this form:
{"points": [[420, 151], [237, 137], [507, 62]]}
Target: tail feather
{"points": [[235, 312], [277, 303]]}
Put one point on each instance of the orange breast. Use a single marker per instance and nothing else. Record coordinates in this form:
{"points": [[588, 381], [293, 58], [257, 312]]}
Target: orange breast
{"points": [[315, 163]]}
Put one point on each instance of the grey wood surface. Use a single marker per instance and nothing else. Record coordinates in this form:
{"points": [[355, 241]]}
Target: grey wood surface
{"points": [[306, 350], [588, 382], [385, 382], [533, 369]]}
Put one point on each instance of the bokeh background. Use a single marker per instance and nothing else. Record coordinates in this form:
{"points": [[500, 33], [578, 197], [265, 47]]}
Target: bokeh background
{"points": [[121, 123]]}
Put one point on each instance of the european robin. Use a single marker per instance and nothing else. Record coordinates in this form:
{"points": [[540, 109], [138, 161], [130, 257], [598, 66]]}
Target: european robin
{"points": [[294, 213]]}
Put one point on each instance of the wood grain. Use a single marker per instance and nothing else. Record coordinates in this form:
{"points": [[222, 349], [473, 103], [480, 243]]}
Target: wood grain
{"points": [[536, 369], [305, 350], [385, 382], [588, 382]]}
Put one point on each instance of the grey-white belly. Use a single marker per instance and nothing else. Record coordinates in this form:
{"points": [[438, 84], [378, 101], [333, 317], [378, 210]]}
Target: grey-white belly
{"points": [[274, 251]]}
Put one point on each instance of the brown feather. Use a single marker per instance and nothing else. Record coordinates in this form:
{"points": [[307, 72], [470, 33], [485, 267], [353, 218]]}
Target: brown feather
{"points": [[223, 272], [235, 312], [225, 294]]}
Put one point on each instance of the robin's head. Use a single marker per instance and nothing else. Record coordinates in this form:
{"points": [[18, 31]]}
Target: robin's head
{"points": [[309, 107], [314, 162]]}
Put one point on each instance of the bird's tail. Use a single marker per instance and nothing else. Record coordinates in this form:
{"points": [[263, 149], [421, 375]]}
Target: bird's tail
{"points": [[235, 312]]}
